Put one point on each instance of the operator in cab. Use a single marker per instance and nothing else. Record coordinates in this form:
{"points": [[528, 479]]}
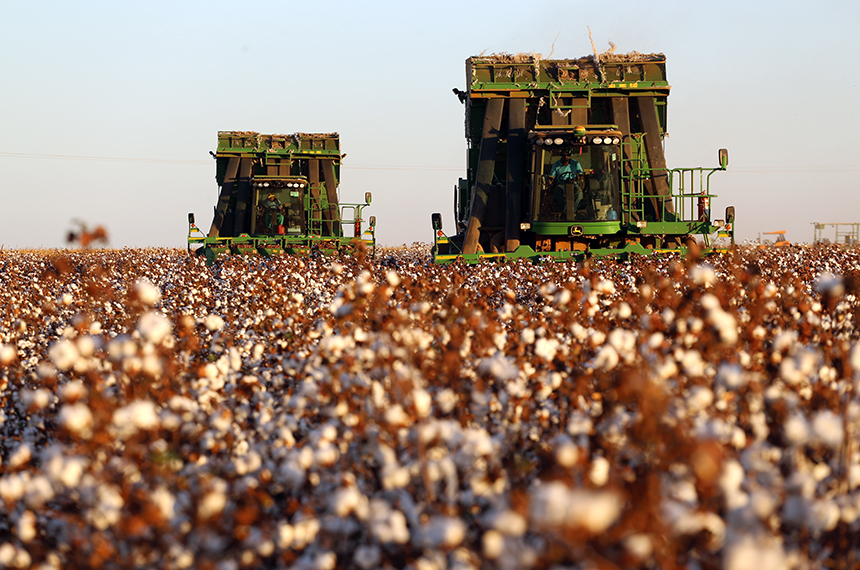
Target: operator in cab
{"points": [[274, 216], [562, 179]]}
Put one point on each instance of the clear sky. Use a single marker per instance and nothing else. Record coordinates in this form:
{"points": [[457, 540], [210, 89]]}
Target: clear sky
{"points": [[108, 109]]}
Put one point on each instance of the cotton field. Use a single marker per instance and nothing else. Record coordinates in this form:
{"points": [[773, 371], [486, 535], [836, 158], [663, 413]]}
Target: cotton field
{"points": [[320, 413]]}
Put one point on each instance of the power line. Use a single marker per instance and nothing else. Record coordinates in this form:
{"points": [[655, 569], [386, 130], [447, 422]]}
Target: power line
{"points": [[778, 169], [742, 169], [206, 162], [104, 158], [423, 168]]}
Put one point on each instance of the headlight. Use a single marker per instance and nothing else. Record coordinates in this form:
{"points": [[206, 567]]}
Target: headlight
{"points": [[539, 142], [266, 184], [597, 140], [547, 141], [558, 141], [616, 140]]}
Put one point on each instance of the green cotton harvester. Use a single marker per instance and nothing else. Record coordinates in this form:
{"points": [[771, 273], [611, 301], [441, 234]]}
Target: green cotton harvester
{"points": [[279, 194], [565, 160]]}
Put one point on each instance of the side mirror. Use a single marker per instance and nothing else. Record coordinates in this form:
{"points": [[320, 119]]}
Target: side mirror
{"points": [[367, 198], [730, 214], [191, 217], [372, 221], [437, 221], [724, 158]]}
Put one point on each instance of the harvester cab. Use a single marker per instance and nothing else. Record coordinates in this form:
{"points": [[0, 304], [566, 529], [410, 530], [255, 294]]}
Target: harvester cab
{"points": [[279, 194], [565, 160], [575, 179]]}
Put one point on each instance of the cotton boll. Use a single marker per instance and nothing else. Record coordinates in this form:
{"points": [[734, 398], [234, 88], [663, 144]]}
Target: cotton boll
{"points": [[546, 348], [499, 366], [554, 505], [566, 453], [443, 531], [605, 287], [598, 474], [396, 416], [213, 322], [26, 527], [21, 456], [8, 354], [527, 336], [700, 399], [284, 535], [624, 342], [106, 509], [854, 357], [492, 544], [579, 424], [828, 428], [596, 339], [162, 498], [822, 516], [387, 525], [731, 376], [730, 483], [639, 545], [212, 504], [12, 486], [77, 418], [87, 345], [509, 523], [830, 284], [748, 553], [393, 278], [692, 363], [394, 477], [624, 311], [348, 500], [139, 415], [607, 358], [154, 327], [446, 400], [147, 293], [64, 354], [422, 401], [655, 340], [36, 400], [703, 275], [783, 341], [12, 556]]}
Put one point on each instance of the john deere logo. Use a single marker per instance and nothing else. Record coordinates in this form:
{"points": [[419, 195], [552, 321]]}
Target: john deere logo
{"points": [[575, 230]]}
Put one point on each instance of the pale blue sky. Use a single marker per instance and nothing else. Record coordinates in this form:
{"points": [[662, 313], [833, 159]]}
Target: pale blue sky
{"points": [[141, 89]]}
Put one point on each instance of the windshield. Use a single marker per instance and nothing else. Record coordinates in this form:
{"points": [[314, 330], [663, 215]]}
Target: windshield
{"points": [[578, 183], [279, 211]]}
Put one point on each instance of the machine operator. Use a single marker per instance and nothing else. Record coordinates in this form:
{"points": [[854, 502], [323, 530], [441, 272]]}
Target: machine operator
{"points": [[566, 193], [273, 209]]}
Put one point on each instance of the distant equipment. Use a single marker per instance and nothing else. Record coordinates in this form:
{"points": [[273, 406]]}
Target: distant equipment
{"points": [[778, 241], [846, 233], [279, 194]]}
